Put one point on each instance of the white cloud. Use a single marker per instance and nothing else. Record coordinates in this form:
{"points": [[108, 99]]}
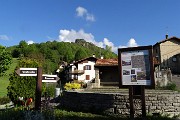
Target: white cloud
{"points": [[82, 12], [90, 17], [108, 43], [30, 42], [132, 43], [4, 37], [72, 35]]}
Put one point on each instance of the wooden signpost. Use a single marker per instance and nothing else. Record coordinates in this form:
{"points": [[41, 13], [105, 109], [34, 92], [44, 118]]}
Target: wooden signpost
{"points": [[40, 78], [136, 72]]}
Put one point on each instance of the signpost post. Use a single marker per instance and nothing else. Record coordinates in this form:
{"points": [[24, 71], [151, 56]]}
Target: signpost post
{"points": [[40, 78], [38, 89], [136, 71]]}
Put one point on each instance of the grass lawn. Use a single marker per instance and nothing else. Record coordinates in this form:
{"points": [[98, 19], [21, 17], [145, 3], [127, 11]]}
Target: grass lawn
{"points": [[4, 80]]}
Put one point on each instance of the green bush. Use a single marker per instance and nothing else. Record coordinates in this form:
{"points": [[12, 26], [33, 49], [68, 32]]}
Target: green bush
{"points": [[70, 86], [58, 114], [50, 89], [4, 100], [171, 86], [22, 86], [24, 113]]}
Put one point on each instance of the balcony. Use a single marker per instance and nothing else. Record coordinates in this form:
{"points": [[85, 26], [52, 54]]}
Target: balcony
{"points": [[77, 72]]}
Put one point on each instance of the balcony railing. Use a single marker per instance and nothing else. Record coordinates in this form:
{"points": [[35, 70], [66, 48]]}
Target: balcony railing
{"points": [[77, 72]]}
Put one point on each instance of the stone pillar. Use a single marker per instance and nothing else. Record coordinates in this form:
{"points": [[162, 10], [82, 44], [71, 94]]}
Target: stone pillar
{"points": [[97, 80]]}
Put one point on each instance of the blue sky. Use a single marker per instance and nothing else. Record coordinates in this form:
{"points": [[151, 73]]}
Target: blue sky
{"points": [[116, 23]]}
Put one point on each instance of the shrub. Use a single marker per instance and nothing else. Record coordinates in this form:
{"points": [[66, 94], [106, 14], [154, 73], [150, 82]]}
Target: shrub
{"points": [[4, 100], [22, 86], [58, 114], [171, 86], [69, 86], [50, 89]]}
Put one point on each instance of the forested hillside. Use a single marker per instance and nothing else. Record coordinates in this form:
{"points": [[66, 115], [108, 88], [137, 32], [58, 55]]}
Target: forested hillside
{"points": [[51, 54]]}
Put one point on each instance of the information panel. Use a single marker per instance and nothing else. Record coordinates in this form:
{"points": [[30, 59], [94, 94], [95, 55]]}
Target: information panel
{"points": [[135, 66]]}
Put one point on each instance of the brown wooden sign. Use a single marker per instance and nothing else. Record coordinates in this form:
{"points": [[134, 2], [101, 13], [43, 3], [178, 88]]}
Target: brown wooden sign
{"points": [[136, 71], [136, 66]]}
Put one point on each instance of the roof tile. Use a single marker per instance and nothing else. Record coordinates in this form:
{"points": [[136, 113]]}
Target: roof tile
{"points": [[107, 62]]}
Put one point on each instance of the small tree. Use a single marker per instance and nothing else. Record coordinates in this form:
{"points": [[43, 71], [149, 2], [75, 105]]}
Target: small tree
{"points": [[22, 86], [80, 54], [5, 60]]}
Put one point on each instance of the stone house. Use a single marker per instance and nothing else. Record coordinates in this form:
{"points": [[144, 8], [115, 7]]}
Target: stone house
{"points": [[166, 54]]}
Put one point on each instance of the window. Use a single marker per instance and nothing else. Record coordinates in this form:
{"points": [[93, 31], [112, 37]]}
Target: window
{"points": [[156, 50], [75, 77], [174, 59], [87, 67], [87, 77]]}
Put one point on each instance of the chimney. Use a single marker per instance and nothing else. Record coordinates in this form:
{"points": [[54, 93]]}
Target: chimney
{"points": [[102, 57], [93, 55], [166, 36]]}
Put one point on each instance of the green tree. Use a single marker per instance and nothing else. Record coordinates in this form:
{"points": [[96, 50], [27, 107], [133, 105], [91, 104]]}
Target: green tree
{"points": [[22, 86], [80, 54], [23, 44], [5, 60], [69, 56], [108, 53], [16, 53], [49, 67]]}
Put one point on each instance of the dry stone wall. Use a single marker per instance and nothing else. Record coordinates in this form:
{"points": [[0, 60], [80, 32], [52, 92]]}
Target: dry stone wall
{"points": [[163, 102]]}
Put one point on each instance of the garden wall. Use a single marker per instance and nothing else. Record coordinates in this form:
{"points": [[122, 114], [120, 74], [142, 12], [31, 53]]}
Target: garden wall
{"points": [[163, 102]]}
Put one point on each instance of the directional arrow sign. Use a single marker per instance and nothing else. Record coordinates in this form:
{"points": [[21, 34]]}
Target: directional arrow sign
{"points": [[27, 71], [49, 78]]}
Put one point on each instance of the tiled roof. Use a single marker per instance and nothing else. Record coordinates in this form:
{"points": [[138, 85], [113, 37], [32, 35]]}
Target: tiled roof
{"points": [[89, 58], [162, 41], [107, 62]]}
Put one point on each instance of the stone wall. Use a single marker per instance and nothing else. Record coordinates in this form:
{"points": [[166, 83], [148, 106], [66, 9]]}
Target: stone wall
{"points": [[163, 102]]}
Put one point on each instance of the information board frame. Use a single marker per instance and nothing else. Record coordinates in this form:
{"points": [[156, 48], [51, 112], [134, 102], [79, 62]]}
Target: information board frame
{"points": [[125, 57]]}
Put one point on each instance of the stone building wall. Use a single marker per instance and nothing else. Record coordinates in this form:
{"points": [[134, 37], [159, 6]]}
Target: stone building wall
{"points": [[163, 102], [165, 52]]}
